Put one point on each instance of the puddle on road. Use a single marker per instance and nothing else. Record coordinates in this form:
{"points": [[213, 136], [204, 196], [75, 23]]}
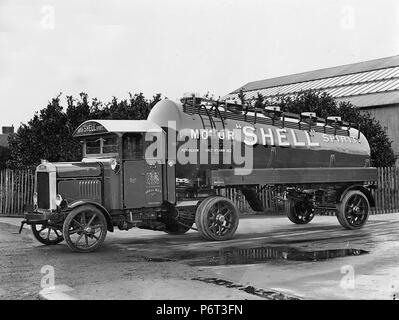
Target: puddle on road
{"points": [[233, 255], [230, 256]]}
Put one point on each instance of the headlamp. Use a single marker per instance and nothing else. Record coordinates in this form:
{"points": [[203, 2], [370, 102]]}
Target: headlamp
{"points": [[58, 200], [115, 165]]}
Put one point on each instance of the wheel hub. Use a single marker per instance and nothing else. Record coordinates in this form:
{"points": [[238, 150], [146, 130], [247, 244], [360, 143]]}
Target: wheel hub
{"points": [[87, 230], [356, 209], [220, 218]]}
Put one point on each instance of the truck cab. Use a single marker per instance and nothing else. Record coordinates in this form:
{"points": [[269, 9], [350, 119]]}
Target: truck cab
{"points": [[123, 175], [136, 157]]}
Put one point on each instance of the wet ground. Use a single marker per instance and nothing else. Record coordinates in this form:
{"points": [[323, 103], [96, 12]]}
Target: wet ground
{"points": [[270, 258], [237, 255]]}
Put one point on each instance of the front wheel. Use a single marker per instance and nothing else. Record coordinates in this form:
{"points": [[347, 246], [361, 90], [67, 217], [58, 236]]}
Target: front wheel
{"points": [[299, 212], [217, 218], [85, 229], [353, 211], [46, 234]]}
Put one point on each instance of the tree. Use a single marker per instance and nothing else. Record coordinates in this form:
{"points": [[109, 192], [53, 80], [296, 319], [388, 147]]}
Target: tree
{"points": [[48, 135], [325, 105]]}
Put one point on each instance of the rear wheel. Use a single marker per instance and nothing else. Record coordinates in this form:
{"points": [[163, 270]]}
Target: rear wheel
{"points": [[217, 218], [46, 234], [353, 211], [85, 229], [299, 212]]}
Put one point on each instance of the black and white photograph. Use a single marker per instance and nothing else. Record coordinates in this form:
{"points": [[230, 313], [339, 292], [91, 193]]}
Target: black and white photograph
{"points": [[196, 157]]}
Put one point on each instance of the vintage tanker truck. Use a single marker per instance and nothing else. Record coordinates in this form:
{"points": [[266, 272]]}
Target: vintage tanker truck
{"points": [[167, 172]]}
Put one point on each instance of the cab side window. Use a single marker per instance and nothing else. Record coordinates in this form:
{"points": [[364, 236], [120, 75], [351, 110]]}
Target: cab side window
{"points": [[133, 146]]}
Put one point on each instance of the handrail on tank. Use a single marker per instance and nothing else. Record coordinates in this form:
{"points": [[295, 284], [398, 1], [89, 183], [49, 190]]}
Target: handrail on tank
{"points": [[309, 117], [272, 112], [213, 125], [236, 108], [216, 107], [199, 105]]}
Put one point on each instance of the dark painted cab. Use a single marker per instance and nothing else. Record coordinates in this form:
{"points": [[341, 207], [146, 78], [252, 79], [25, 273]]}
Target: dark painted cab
{"points": [[117, 175]]}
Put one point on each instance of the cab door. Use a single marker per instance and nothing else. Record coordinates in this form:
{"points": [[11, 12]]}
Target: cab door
{"points": [[142, 177], [133, 170]]}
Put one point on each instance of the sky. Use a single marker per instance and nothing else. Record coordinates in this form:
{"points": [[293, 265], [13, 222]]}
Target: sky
{"points": [[108, 48]]}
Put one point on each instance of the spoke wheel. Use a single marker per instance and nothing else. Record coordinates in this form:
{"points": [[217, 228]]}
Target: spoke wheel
{"points": [[299, 212], [46, 234], [217, 218], [85, 229], [353, 211]]}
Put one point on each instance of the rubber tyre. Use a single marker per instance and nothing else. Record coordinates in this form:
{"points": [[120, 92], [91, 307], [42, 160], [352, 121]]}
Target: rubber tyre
{"points": [[202, 218], [47, 242], [341, 214], [68, 224], [291, 211]]}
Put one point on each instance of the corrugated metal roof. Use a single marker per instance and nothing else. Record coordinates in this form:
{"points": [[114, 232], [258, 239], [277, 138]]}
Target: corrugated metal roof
{"points": [[323, 73], [352, 83], [372, 100]]}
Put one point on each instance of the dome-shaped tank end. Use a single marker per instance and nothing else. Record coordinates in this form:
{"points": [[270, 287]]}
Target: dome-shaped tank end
{"points": [[165, 111]]}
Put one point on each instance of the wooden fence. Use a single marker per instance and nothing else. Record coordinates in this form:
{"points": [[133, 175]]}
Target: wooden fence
{"points": [[16, 189], [386, 195]]}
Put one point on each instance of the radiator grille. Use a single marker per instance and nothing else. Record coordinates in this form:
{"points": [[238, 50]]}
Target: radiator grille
{"points": [[89, 189], [43, 190]]}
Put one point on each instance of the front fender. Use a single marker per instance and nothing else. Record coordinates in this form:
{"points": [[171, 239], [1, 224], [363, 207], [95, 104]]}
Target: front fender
{"points": [[75, 204], [360, 188]]}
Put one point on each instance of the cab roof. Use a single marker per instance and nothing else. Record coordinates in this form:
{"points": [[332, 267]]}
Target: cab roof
{"points": [[92, 127]]}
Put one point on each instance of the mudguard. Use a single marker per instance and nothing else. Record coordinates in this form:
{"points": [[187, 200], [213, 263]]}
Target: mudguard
{"points": [[73, 205], [361, 188]]}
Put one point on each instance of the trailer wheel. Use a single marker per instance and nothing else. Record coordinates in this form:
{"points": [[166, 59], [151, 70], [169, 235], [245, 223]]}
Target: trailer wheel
{"points": [[85, 229], [353, 211], [217, 218], [47, 235], [299, 212]]}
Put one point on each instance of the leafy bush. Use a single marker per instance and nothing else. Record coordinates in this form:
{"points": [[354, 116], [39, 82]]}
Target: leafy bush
{"points": [[48, 135]]}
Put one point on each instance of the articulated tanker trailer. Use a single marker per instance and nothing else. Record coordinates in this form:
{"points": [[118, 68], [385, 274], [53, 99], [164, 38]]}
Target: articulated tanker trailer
{"points": [[166, 173]]}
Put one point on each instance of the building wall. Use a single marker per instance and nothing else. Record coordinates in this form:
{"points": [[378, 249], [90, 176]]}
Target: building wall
{"points": [[4, 140], [7, 130], [388, 116]]}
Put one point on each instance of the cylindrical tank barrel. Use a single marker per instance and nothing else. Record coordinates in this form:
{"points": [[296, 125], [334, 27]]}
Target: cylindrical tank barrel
{"points": [[287, 144]]}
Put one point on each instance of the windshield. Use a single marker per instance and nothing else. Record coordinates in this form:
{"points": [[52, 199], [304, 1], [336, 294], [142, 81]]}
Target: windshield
{"points": [[101, 145], [133, 146]]}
